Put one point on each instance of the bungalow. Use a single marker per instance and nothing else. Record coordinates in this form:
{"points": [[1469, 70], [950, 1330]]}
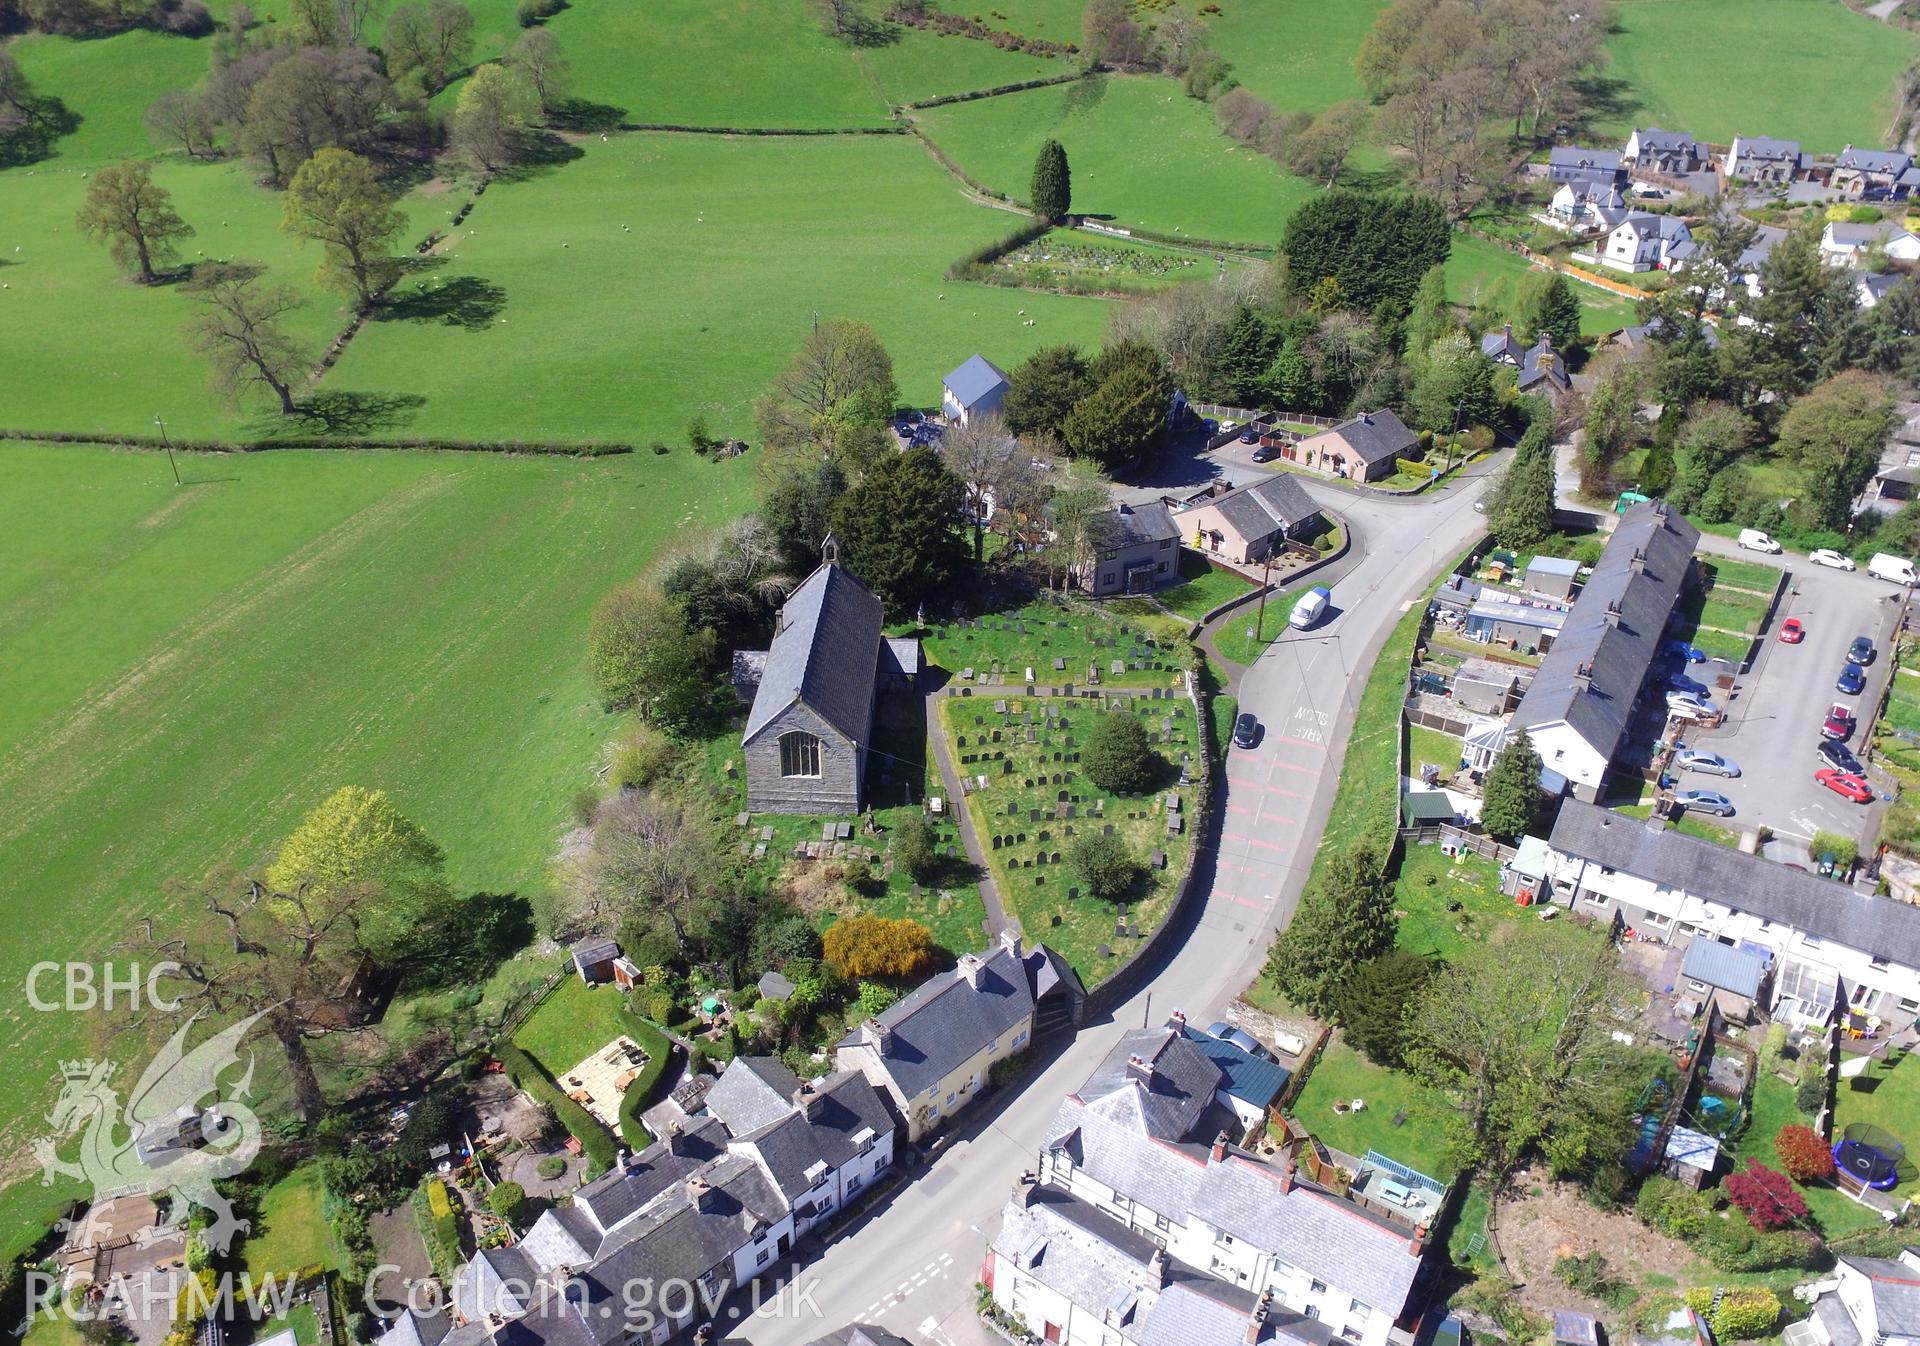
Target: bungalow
{"points": [[1568, 163], [1857, 171], [1844, 244], [1137, 551], [1248, 524], [976, 388], [1671, 153], [1763, 159], [1365, 448], [1644, 242], [1830, 949], [1581, 703]]}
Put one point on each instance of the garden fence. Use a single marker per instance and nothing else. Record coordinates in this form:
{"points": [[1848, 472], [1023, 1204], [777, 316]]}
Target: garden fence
{"points": [[1446, 834]]}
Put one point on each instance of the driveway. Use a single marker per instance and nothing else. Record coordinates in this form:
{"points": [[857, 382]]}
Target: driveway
{"points": [[911, 1265]]}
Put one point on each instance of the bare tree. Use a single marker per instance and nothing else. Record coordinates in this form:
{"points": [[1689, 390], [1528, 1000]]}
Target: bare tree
{"points": [[1082, 518], [181, 119], [238, 330], [536, 56], [653, 858], [979, 453]]}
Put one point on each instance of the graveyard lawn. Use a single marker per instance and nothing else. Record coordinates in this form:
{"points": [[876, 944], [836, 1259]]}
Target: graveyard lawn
{"points": [[1063, 641], [1037, 803]]}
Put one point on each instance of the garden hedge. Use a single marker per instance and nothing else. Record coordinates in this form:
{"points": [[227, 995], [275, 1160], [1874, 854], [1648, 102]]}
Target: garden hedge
{"points": [[596, 1142], [582, 449]]}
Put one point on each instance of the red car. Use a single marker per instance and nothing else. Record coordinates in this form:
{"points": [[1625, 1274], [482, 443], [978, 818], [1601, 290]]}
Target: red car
{"points": [[1839, 723], [1842, 783], [1792, 632]]}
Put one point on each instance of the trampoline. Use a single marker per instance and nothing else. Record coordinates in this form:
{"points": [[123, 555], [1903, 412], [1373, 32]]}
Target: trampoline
{"points": [[1868, 1156]]}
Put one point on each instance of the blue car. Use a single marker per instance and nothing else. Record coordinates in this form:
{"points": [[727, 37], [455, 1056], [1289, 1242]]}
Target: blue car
{"points": [[1249, 436], [1680, 682], [1852, 681], [1681, 649]]}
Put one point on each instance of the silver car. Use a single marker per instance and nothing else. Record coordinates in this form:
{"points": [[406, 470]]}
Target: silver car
{"points": [[1707, 763], [1704, 801], [1691, 706]]}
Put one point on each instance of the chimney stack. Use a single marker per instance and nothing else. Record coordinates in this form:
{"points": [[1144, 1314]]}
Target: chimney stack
{"points": [[972, 969], [701, 1193], [878, 1034], [1010, 941], [1257, 1320], [1287, 1171], [1583, 676], [810, 1101], [626, 1160], [1613, 613], [1639, 562], [1139, 1068], [1220, 1143], [1178, 1018], [676, 1139], [1158, 1268], [1023, 1190]]}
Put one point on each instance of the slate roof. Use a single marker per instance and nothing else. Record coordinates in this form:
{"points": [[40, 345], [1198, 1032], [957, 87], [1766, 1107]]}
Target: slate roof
{"points": [[1093, 1260], [945, 1020], [1655, 141], [1554, 565], [1247, 1077], [792, 1147], [1502, 346], [900, 656], [1564, 161], [591, 951], [774, 986], [1791, 897], [417, 1329], [1544, 362], [1171, 1102], [1765, 149], [1376, 436], [1618, 656], [1139, 525], [563, 1236], [616, 1197], [826, 653], [1833, 1316], [1737, 970], [1274, 504], [1213, 1313], [1892, 162], [497, 1280], [1896, 1293], [975, 381], [1877, 285], [752, 1092], [1846, 235]]}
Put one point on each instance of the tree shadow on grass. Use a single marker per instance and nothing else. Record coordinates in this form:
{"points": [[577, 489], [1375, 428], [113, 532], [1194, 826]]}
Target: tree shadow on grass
{"points": [[866, 32], [458, 301], [1083, 95], [343, 415], [583, 115], [540, 152], [1604, 98], [47, 120]]}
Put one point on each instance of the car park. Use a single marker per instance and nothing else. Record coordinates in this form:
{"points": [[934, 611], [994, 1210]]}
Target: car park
{"points": [[1704, 801], [1861, 652], [1840, 757], [1689, 706], [1707, 763], [1833, 560], [1839, 723], [1792, 631], [1845, 784], [1245, 730], [1852, 680]]}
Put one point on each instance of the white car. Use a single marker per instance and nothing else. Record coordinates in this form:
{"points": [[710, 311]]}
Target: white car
{"points": [[1827, 556]]}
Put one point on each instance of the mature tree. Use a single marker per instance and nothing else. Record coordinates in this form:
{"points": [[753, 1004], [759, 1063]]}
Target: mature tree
{"points": [[490, 118], [313, 99], [1708, 442], [654, 859], [1377, 246], [318, 23], [1834, 435], [229, 89], [17, 103], [1432, 315], [1521, 512], [834, 400], [335, 199], [1345, 919], [536, 57], [1177, 330], [1248, 343], [1519, 1036], [1080, 512], [1321, 150], [508, 1200], [430, 43], [1613, 426], [982, 453], [1109, 36], [875, 946], [1511, 800], [1375, 999], [1801, 322], [1119, 756], [1548, 306], [643, 654], [1052, 190], [913, 847], [1453, 386], [1044, 389], [134, 217], [1804, 1155], [1105, 865], [900, 528], [356, 838], [238, 330], [733, 585], [1766, 1196], [182, 119], [798, 510], [1125, 415]]}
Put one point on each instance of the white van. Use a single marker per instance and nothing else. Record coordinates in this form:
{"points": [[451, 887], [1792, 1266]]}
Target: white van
{"points": [[1755, 540], [1893, 569], [1311, 607]]}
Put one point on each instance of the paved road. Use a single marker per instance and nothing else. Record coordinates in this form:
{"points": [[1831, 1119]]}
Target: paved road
{"points": [[911, 1264]]}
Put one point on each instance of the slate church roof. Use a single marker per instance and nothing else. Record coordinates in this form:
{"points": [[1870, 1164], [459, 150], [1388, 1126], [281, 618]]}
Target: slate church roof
{"points": [[826, 654]]}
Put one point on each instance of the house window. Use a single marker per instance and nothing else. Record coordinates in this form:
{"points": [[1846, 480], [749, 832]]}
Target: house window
{"points": [[1019, 1039], [1162, 1223], [1356, 1308], [1318, 1287], [799, 754], [950, 1098], [853, 1185], [1350, 1333], [1910, 1005], [1312, 1310], [761, 1260], [1166, 543]]}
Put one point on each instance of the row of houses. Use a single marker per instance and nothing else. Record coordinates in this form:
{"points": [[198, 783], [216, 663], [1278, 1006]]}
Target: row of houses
{"points": [[1650, 151], [1144, 1223]]}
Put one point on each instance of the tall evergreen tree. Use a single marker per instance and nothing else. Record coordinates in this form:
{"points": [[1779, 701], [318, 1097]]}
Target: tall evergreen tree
{"points": [[1551, 308], [900, 529], [1247, 348], [1377, 245], [1431, 316], [1052, 183], [1512, 793], [1344, 920], [1043, 389]]}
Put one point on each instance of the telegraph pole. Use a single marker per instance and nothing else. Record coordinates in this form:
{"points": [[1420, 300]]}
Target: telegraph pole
{"points": [[1266, 586], [169, 446]]}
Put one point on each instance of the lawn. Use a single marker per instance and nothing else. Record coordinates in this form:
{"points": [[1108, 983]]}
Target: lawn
{"points": [[1886, 1096], [1721, 68], [1749, 575], [1485, 274], [1142, 152], [1295, 53], [1725, 608], [189, 670], [1426, 745], [1343, 1075], [306, 1328], [1079, 634], [573, 1023], [664, 275], [1202, 588], [1770, 1108], [290, 1232], [1427, 889]]}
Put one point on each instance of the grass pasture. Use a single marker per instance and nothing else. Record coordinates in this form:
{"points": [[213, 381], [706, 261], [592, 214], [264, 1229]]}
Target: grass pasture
{"points": [[1295, 53], [1722, 68], [191, 669], [1482, 273], [919, 65]]}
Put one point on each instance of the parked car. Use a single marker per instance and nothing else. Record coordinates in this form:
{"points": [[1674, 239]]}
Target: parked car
{"points": [[1861, 652], [1792, 632], [1266, 453], [1680, 682], [1839, 723], [1681, 649], [1246, 730], [1752, 539], [1692, 707], [1840, 757], [1845, 784], [1240, 1038], [1707, 763], [1893, 569], [1852, 680], [1704, 801], [1310, 608], [1833, 560], [1249, 436]]}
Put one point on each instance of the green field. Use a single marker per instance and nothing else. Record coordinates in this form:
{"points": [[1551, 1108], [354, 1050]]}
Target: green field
{"points": [[1142, 153], [1479, 272], [189, 670], [1806, 70], [1295, 53]]}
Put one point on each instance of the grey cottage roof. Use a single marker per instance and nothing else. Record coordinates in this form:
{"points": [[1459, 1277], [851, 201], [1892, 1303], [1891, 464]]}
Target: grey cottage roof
{"points": [[752, 1092], [1891, 162], [1155, 1080], [1731, 969], [1570, 161], [1377, 435], [1502, 347], [1654, 141], [843, 1115], [1592, 674], [975, 381], [1139, 525], [860, 1334], [826, 653], [946, 1020], [1896, 1293], [1274, 504], [1790, 897]]}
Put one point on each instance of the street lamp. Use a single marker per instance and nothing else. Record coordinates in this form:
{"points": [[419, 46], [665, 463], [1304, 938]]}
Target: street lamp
{"points": [[169, 446]]}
